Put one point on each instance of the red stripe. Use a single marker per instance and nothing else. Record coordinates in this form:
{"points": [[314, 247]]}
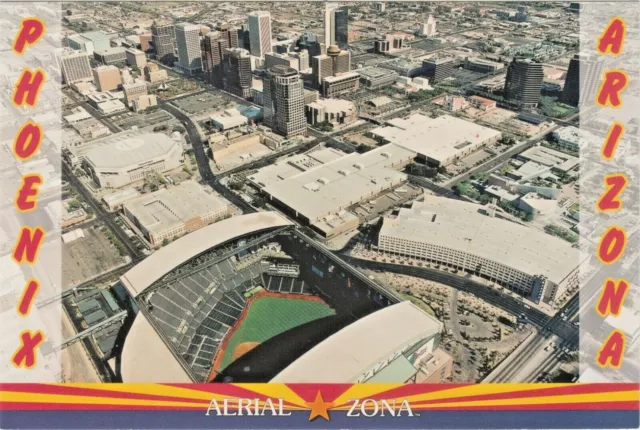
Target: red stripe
{"points": [[573, 389], [604, 406], [71, 390]]}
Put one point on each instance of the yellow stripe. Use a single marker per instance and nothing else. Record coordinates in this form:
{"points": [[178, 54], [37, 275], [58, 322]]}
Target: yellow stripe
{"points": [[275, 391], [363, 391], [151, 389], [475, 390]]}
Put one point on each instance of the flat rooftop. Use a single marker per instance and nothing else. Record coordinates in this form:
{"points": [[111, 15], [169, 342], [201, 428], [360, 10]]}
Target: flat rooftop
{"points": [[341, 183], [437, 138], [293, 165], [126, 149], [173, 206], [351, 352], [550, 157], [461, 226]]}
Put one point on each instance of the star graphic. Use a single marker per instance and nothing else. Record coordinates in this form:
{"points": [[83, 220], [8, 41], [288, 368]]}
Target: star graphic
{"points": [[319, 408]]}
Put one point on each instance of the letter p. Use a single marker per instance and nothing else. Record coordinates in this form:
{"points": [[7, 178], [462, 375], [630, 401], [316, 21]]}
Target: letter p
{"points": [[31, 30]]}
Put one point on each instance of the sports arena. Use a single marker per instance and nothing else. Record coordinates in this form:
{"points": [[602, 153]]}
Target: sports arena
{"points": [[241, 300]]}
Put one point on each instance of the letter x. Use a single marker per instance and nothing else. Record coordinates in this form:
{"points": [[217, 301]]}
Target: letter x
{"points": [[25, 356]]}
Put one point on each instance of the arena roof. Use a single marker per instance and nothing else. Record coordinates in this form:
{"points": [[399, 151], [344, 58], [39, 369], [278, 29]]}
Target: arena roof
{"points": [[437, 138], [187, 247], [128, 148], [146, 358], [460, 226], [340, 183], [351, 352]]}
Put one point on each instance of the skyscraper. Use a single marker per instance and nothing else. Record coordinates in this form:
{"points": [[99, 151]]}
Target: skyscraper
{"points": [[342, 27], [75, 66], [106, 78], [524, 79], [260, 33], [237, 72], [163, 38], [189, 53], [583, 79], [213, 45], [284, 101], [428, 28], [336, 26]]}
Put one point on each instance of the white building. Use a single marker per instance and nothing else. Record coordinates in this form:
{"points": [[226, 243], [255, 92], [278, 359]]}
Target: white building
{"points": [[428, 29], [126, 157], [571, 138], [172, 212], [75, 66], [188, 41], [260, 33], [439, 141], [466, 236]]}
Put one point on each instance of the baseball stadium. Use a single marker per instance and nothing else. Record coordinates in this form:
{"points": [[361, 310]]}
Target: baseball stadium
{"points": [[240, 300]]}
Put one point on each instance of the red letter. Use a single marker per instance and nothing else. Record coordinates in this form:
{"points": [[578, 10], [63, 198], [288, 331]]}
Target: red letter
{"points": [[25, 355], [612, 245], [27, 141], [609, 199], [28, 296], [612, 38], [28, 244], [31, 30], [612, 297], [611, 142], [29, 188], [615, 81], [611, 352], [27, 89]]}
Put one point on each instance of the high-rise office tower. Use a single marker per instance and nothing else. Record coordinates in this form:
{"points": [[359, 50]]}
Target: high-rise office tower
{"points": [[438, 69], [237, 72], [342, 27], [189, 53], [163, 38], [75, 66], [428, 28], [284, 101], [322, 67], [583, 79], [524, 79], [336, 26], [329, 25], [213, 45], [260, 33]]}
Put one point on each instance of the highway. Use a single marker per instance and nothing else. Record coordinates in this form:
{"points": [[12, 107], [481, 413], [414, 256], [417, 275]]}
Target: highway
{"points": [[203, 161], [587, 294]]}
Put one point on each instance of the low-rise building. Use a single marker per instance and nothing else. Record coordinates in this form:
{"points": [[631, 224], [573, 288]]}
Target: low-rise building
{"points": [[344, 83], [91, 129], [144, 101], [482, 103], [331, 111], [135, 58], [110, 56], [571, 138], [154, 74], [134, 91], [481, 65], [438, 141], [171, 212], [467, 236], [229, 119], [376, 77]]}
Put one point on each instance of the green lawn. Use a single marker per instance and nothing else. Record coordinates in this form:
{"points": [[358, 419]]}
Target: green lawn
{"points": [[270, 316]]}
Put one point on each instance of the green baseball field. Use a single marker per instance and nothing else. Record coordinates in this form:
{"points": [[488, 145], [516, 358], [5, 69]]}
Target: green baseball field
{"points": [[268, 316]]}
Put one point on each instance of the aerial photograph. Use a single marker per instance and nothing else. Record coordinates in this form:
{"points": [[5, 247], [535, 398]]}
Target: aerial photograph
{"points": [[301, 192]]}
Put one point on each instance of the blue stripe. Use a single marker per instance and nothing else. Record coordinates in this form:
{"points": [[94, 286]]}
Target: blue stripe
{"points": [[339, 420]]}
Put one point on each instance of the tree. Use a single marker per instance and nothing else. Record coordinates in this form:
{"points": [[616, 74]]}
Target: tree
{"points": [[165, 241], [529, 218]]}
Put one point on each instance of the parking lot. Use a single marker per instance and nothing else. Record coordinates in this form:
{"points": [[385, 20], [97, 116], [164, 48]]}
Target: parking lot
{"points": [[88, 256], [127, 121], [201, 103]]}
